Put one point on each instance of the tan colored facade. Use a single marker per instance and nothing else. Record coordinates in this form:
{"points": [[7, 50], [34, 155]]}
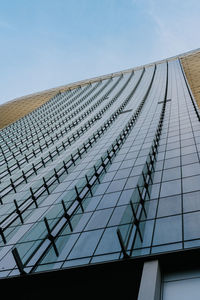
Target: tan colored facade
{"points": [[19, 107], [191, 66], [16, 109]]}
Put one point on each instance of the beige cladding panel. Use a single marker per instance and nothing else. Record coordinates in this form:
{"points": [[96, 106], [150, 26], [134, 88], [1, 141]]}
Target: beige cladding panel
{"points": [[191, 66], [19, 107], [14, 110]]}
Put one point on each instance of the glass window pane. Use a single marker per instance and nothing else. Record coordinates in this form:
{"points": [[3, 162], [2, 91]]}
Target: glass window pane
{"points": [[168, 230]]}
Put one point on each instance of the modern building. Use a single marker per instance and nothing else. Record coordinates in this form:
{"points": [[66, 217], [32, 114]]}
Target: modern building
{"points": [[100, 186]]}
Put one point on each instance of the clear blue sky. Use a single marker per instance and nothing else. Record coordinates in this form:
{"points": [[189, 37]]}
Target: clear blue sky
{"points": [[47, 43]]}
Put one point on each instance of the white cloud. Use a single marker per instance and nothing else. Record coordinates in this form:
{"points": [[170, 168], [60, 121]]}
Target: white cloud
{"points": [[176, 26]]}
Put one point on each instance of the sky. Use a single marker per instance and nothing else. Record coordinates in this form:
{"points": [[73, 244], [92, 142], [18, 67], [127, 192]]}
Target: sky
{"points": [[48, 43]]}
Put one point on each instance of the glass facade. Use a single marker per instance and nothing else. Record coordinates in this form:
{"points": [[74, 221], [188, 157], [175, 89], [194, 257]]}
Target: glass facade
{"points": [[106, 171], [182, 285]]}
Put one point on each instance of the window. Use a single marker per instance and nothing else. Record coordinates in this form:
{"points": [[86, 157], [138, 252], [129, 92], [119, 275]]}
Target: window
{"points": [[181, 285]]}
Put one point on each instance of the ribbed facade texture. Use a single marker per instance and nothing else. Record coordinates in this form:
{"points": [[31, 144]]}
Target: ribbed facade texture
{"points": [[107, 171]]}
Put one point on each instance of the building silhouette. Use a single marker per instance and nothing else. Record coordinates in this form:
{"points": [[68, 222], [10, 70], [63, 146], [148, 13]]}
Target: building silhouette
{"points": [[100, 186]]}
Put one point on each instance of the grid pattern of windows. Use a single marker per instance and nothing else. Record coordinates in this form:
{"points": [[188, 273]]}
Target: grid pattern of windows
{"points": [[105, 171]]}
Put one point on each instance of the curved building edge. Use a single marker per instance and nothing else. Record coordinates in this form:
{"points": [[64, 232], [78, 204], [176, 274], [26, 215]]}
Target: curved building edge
{"points": [[17, 108]]}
